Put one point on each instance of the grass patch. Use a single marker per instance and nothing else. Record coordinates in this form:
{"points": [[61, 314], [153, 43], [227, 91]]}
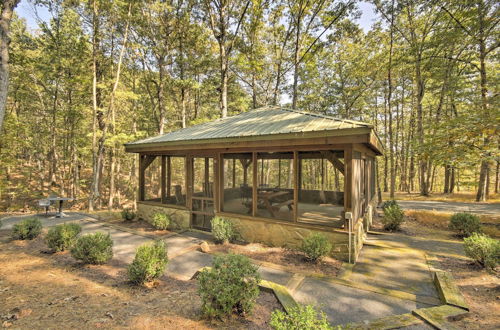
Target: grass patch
{"points": [[441, 220], [466, 197]]}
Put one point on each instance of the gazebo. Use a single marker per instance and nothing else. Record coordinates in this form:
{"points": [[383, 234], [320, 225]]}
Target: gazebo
{"points": [[277, 174]]}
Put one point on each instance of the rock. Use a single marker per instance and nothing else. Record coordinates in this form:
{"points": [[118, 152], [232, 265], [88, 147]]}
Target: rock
{"points": [[204, 247], [108, 314], [6, 324]]}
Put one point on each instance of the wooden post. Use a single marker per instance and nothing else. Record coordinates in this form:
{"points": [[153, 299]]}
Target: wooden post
{"points": [[169, 176], [296, 183], [207, 177], [163, 179], [279, 173], [141, 177], [234, 172], [254, 185], [189, 180], [219, 189], [348, 180]]}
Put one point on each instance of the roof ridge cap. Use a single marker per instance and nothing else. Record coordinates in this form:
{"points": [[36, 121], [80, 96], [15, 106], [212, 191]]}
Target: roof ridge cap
{"points": [[327, 117]]}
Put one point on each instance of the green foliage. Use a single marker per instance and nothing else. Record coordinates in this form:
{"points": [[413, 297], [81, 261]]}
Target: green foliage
{"points": [[300, 318], [28, 228], [94, 248], [231, 285], [160, 221], [62, 237], [128, 214], [222, 230], [393, 217], [388, 203], [465, 224], [316, 246], [483, 249], [149, 263]]}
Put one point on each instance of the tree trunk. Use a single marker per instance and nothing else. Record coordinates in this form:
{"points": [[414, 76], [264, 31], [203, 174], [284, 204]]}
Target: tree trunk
{"points": [[296, 58], [482, 188], [6, 16]]}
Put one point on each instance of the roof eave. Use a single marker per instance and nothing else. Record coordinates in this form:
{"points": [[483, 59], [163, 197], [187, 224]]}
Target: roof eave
{"points": [[138, 147]]}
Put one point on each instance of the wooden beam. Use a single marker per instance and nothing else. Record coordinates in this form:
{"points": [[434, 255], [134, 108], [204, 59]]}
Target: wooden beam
{"points": [[163, 179], [230, 149], [147, 160], [275, 141], [336, 162]]}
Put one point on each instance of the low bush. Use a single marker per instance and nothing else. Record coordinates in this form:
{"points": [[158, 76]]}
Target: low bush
{"points": [[393, 217], [160, 221], [222, 230], [231, 285], [316, 246], [389, 203], [62, 237], [128, 214], [149, 263], [94, 248], [465, 224], [300, 318], [483, 249], [28, 228]]}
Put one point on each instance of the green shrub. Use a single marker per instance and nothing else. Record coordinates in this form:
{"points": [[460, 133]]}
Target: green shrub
{"points": [[160, 221], [465, 224], [231, 285], [94, 248], [483, 249], [28, 228], [316, 246], [393, 217], [128, 215], [388, 203], [149, 263], [62, 237], [222, 230], [300, 318]]}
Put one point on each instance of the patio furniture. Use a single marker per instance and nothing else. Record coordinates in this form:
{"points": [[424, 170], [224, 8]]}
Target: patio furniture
{"points": [[45, 203], [61, 200]]}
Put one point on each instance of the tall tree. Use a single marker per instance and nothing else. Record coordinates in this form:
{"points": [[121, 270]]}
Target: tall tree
{"points": [[225, 18], [7, 9]]}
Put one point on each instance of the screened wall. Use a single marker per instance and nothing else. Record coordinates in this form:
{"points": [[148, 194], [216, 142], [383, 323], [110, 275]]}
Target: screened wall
{"points": [[321, 190], [237, 183], [175, 180]]}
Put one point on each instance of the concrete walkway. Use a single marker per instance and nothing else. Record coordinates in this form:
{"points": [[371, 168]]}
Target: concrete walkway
{"points": [[478, 208], [392, 263]]}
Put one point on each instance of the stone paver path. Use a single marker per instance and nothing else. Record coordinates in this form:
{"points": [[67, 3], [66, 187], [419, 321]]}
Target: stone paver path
{"points": [[343, 304], [395, 266], [479, 208]]}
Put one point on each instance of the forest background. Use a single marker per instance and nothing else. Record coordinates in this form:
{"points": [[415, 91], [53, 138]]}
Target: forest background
{"points": [[99, 73]]}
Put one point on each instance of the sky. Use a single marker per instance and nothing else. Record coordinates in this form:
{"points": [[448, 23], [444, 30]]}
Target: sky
{"points": [[28, 11]]}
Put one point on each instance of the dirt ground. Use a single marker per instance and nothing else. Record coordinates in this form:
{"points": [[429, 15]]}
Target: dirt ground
{"points": [[43, 290], [480, 288], [294, 260]]}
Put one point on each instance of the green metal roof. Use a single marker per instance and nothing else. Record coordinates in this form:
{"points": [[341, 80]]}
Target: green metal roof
{"points": [[262, 121]]}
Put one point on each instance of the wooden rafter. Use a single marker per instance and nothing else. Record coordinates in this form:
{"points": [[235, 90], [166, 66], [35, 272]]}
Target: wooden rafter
{"points": [[336, 162]]}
